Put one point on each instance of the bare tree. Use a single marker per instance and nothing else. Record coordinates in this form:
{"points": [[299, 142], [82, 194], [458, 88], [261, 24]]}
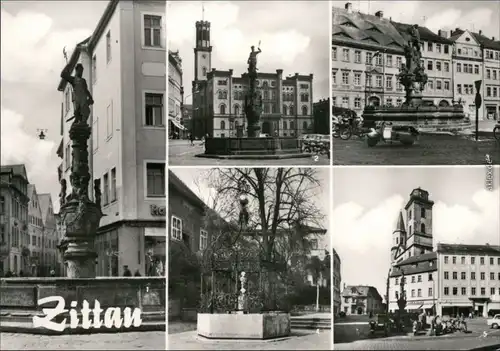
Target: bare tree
{"points": [[282, 208]]}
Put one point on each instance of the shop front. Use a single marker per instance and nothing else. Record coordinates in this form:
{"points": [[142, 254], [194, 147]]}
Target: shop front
{"points": [[175, 128], [155, 241]]}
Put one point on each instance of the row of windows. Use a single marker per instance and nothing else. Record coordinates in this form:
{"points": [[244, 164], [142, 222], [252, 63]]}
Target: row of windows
{"points": [[463, 275], [369, 57], [49, 243], [286, 126], [37, 221], [489, 91], [472, 260], [176, 232], [473, 291], [418, 279], [415, 293], [267, 108], [266, 95]]}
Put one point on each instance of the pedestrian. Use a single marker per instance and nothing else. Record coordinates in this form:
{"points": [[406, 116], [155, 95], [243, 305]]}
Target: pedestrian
{"points": [[191, 137], [137, 273], [126, 271]]}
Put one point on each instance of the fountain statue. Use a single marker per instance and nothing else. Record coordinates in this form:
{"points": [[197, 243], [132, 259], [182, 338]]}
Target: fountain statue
{"points": [[415, 111], [80, 216], [253, 100]]}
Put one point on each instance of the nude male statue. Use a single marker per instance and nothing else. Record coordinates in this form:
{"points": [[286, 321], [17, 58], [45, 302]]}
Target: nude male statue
{"points": [[82, 99]]}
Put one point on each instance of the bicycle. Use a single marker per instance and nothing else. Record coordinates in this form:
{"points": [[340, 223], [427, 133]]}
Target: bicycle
{"points": [[342, 130]]}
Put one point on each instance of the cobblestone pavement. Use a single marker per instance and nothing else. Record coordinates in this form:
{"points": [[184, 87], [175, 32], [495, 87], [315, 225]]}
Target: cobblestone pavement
{"points": [[300, 341], [105, 341], [181, 153], [428, 150]]}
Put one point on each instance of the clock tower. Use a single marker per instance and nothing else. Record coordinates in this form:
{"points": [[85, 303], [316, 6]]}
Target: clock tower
{"points": [[202, 51]]}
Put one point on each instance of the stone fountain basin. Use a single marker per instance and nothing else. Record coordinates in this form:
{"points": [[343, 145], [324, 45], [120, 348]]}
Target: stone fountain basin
{"points": [[257, 326], [19, 301]]}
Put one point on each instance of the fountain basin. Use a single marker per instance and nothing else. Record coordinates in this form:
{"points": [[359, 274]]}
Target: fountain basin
{"points": [[257, 326], [19, 301], [424, 118], [253, 148]]}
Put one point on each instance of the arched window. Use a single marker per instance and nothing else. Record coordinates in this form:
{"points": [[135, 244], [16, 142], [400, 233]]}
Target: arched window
{"points": [[304, 110], [285, 110], [285, 125], [222, 125], [236, 110], [220, 94], [422, 228], [304, 125], [306, 97], [265, 84], [291, 110], [204, 71], [224, 94], [266, 95], [222, 109]]}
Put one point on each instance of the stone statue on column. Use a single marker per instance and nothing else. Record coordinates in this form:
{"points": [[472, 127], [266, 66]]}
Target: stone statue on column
{"points": [[242, 298]]}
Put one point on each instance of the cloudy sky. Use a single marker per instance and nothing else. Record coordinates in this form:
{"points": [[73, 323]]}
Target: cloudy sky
{"points": [[435, 15], [34, 34], [193, 178], [367, 203], [294, 37]]}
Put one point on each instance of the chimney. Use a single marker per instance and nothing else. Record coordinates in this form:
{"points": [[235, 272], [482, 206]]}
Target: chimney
{"points": [[348, 7], [480, 32], [379, 14]]}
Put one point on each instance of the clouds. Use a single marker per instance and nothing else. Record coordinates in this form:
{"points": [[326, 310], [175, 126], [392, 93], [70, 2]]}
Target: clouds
{"points": [[287, 41], [31, 49], [363, 236], [19, 147]]}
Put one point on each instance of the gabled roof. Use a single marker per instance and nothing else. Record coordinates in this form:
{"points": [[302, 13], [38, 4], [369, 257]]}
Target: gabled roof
{"points": [[469, 249], [416, 264], [424, 32], [356, 27], [456, 34], [420, 258], [176, 183], [31, 191], [17, 170], [361, 291], [45, 201]]}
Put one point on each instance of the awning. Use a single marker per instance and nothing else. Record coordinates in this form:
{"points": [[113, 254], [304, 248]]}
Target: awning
{"points": [[177, 124], [412, 307], [427, 306], [152, 231]]}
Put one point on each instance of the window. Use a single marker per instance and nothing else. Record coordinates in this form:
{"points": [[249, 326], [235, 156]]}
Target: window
{"points": [[378, 81], [2, 204], [357, 102], [345, 55], [345, 101], [483, 276], [446, 67], [429, 46], [472, 260], [357, 79], [455, 275], [152, 31], [155, 177], [488, 74], [481, 261], [222, 109], [446, 275], [304, 125], [454, 259], [459, 67], [413, 279], [113, 185], [345, 78], [463, 275], [334, 53], [108, 46], [285, 110], [472, 275], [334, 77], [492, 276], [94, 69], [379, 59], [419, 278], [447, 291], [176, 228], [430, 277], [429, 65], [492, 291], [222, 125], [473, 291], [488, 91], [483, 291], [419, 293], [109, 121], [304, 110], [369, 58], [105, 193], [357, 56], [412, 292], [203, 239], [429, 292], [431, 84], [154, 109], [446, 85], [492, 260], [476, 69], [388, 82], [399, 62], [438, 66], [494, 74], [459, 88], [422, 212], [455, 291], [389, 61]]}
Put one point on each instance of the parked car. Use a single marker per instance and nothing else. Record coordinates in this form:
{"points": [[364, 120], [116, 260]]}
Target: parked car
{"points": [[494, 322]]}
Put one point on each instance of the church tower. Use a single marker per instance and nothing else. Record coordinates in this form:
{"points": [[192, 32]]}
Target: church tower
{"points": [[202, 51], [398, 239], [419, 220]]}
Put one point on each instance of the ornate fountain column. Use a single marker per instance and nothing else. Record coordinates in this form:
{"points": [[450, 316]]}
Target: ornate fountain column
{"points": [[253, 102], [79, 216], [242, 298]]}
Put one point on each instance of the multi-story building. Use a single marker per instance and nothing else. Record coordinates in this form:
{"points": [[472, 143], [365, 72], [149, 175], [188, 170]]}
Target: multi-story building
{"points": [[52, 259], [36, 231], [337, 278], [175, 96], [469, 279], [491, 76], [219, 97], [321, 115], [361, 299], [125, 68], [14, 235]]}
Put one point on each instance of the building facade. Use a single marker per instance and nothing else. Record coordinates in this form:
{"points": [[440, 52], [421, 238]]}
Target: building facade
{"points": [[361, 299], [219, 97], [367, 53], [14, 231], [175, 96], [125, 68], [321, 115], [52, 260], [469, 279], [337, 279], [36, 231]]}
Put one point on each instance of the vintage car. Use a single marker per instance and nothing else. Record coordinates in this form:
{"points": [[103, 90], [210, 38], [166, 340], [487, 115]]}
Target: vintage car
{"points": [[494, 322]]}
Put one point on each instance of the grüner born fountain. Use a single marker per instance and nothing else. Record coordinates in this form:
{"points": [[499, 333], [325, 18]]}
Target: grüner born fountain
{"points": [[415, 111], [79, 219]]}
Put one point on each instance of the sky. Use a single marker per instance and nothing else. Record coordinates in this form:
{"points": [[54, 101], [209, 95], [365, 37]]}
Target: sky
{"points": [[366, 206], [34, 34], [194, 179], [294, 36], [435, 15]]}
